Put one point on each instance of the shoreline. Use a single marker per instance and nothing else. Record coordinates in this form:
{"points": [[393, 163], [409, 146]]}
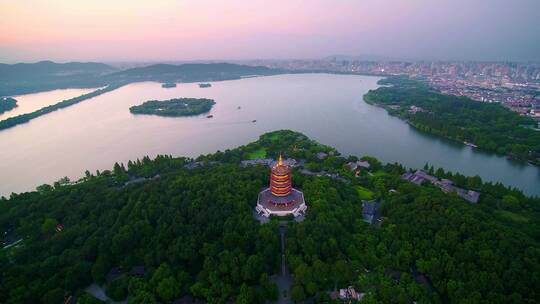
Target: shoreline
{"points": [[473, 146]]}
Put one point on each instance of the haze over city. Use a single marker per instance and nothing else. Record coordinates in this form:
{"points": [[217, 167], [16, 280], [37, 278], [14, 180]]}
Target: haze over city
{"points": [[221, 30]]}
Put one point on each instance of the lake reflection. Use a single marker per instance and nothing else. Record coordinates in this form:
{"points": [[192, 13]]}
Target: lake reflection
{"points": [[329, 108], [31, 102]]}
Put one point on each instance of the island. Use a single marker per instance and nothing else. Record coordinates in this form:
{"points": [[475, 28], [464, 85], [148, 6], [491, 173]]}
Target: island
{"points": [[46, 75], [168, 85], [7, 103], [486, 126], [204, 85], [174, 107], [181, 230]]}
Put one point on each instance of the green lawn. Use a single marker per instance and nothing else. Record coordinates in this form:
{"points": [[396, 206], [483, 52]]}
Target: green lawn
{"points": [[364, 193], [380, 173], [261, 153], [513, 216]]}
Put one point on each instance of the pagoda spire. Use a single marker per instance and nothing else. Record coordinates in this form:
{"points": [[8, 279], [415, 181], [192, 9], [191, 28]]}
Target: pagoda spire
{"points": [[280, 179]]}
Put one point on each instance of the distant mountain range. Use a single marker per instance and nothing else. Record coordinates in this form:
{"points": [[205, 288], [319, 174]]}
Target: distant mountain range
{"points": [[51, 69], [24, 78], [190, 72]]}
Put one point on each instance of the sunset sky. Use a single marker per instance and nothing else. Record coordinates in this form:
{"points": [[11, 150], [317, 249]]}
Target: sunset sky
{"points": [[118, 30]]}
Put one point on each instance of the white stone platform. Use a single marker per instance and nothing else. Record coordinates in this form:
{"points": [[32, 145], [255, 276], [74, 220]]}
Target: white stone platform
{"points": [[271, 205]]}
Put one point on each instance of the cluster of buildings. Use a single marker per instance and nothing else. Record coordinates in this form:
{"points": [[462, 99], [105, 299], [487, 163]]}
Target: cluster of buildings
{"points": [[514, 85], [415, 109], [358, 165], [419, 177]]}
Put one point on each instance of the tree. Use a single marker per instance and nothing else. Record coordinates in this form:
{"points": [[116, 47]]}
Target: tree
{"points": [[118, 289], [143, 297], [164, 271], [509, 202], [53, 296], [100, 269], [49, 226], [168, 289], [474, 182], [246, 295], [297, 293], [44, 188], [86, 298], [64, 181]]}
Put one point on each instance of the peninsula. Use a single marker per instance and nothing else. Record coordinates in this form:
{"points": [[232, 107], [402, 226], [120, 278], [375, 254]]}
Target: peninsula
{"points": [[174, 107], [488, 126], [174, 228]]}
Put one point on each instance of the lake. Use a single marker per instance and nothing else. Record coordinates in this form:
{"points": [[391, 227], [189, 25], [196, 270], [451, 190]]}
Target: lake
{"points": [[31, 102], [328, 108]]}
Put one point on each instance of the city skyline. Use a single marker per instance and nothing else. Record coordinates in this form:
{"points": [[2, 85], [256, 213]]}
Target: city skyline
{"points": [[242, 30]]}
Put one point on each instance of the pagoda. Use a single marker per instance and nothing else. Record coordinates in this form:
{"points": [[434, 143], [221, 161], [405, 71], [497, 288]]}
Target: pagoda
{"points": [[280, 198]]}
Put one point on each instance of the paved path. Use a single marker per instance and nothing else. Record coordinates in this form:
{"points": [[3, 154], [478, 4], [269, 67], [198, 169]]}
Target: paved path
{"points": [[284, 281], [98, 292], [282, 237]]}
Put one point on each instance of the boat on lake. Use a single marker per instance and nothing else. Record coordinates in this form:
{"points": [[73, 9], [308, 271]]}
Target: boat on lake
{"points": [[470, 144]]}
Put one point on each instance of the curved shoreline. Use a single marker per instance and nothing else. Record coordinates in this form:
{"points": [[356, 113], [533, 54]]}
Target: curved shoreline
{"points": [[192, 136], [394, 112]]}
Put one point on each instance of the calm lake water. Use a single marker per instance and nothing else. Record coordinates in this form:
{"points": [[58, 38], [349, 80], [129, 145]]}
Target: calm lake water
{"points": [[328, 108], [31, 102]]}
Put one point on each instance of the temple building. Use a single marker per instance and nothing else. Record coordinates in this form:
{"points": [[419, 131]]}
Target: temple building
{"points": [[280, 198]]}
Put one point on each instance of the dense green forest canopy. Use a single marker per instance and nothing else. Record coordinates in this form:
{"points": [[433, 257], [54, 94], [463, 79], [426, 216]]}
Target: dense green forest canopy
{"points": [[192, 229], [489, 126], [174, 107], [7, 103]]}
